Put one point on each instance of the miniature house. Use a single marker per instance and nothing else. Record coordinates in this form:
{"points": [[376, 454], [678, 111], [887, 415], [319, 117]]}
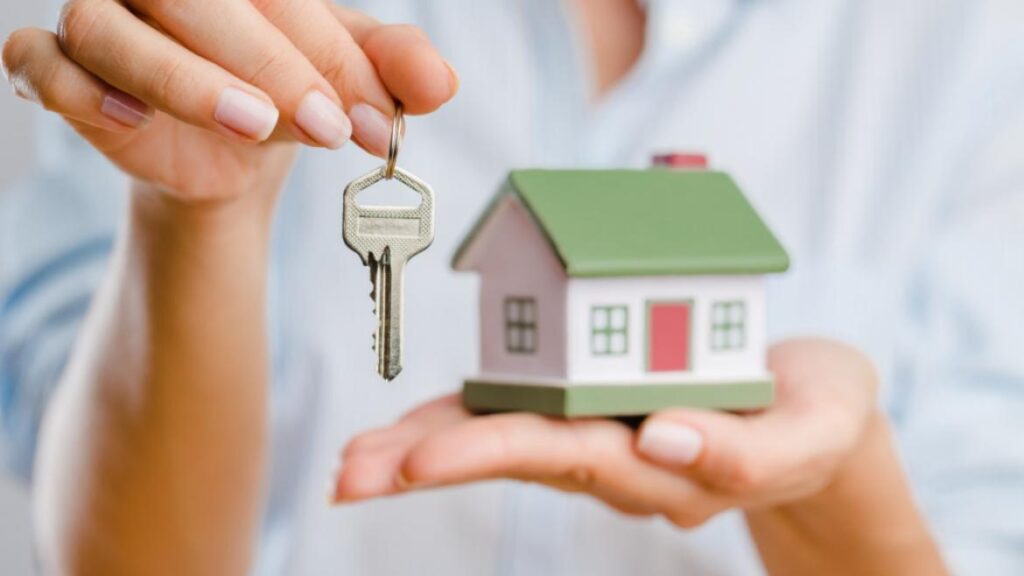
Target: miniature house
{"points": [[620, 292]]}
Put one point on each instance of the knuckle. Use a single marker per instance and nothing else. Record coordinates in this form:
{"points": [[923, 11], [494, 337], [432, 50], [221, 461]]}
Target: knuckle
{"points": [[743, 478], [78, 19], [580, 477], [13, 50], [168, 80], [272, 63], [45, 91], [18, 67], [334, 62]]}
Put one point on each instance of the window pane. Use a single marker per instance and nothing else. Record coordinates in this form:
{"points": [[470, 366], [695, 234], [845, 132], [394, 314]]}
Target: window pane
{"points": [[733, 339], [511, 311], [618, 343], [528, 344], [599, 317], [527, 311], [738, 312], [718, 339], [600, 343], [717, 314], [618, 318]]}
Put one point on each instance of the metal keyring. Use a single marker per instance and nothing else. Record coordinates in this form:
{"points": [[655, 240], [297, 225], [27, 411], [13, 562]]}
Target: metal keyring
{"points": [[395, 145]]}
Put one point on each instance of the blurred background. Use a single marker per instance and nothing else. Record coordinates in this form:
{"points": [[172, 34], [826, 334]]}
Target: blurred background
{"points": [[16, 151]]}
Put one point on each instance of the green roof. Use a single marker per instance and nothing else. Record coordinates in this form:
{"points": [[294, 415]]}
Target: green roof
{"points": [[644, 222]]}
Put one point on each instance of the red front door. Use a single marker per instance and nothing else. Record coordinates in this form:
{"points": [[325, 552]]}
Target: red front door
{"points": [[668, 336]]}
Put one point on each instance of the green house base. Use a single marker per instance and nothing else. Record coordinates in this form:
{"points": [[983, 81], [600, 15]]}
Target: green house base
{"points": [[635, 399]]}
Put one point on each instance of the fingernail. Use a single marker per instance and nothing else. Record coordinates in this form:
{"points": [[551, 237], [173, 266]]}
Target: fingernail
{"points": [[454, 80], [126, 109], [371, 127], [322, 119], [246, 114], [670, 443]]}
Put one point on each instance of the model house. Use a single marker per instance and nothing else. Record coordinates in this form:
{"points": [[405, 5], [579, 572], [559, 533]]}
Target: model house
{"points": [[620, 292]]}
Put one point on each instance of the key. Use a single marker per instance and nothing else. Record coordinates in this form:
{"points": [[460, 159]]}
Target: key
{"points": [[385, 238]]}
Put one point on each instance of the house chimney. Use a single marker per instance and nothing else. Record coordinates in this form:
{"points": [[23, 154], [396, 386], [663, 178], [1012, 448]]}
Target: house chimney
{"points": [[680, 161]]}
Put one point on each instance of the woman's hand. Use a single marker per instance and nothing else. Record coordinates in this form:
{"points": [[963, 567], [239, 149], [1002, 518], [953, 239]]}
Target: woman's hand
{"points": [[685, 465], [178, 94]]}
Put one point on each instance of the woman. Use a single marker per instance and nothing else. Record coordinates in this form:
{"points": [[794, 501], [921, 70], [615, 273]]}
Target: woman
{"points": [[843, 121]]}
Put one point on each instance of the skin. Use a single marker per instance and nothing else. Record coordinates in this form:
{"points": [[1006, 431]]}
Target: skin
{"points": [[816, 474], [152, 451]]}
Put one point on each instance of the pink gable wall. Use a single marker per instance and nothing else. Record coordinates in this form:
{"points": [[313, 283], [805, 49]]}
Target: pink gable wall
{"points": [[515, 260]]}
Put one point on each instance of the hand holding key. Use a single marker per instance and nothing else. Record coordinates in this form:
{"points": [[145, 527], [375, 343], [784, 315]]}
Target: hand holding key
{"points": [[385, 238], [180, 94]]}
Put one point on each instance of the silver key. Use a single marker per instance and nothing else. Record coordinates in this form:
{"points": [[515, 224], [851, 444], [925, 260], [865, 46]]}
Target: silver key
{"points": [[386, 237]]}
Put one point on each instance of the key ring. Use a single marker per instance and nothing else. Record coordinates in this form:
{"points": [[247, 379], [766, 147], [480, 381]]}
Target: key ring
{"points": [[395, 145]]}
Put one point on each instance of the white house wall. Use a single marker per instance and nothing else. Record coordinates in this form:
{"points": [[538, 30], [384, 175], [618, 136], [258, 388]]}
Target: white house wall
{"points": [[635, 293], [515, 260]]}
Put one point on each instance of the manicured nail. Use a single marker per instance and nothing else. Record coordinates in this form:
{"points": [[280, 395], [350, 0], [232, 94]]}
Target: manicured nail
{"points": [[126, 109], [323, 120], [670, 443], [371, 127], [246, 114]]}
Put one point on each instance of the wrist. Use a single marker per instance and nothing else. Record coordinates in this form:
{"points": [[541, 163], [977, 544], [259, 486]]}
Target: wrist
{"points": [[219, 246], [864, 518], [151, 205]]}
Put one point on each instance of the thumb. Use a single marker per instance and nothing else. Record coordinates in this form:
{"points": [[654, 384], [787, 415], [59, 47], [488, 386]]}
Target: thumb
{"points": [[722, 450]]}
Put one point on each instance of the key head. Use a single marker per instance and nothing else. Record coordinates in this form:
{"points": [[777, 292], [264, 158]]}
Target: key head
{"points": [[407, 230]]}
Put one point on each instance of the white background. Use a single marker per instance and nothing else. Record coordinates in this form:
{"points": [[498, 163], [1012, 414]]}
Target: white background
{"points": [[16, 149]]}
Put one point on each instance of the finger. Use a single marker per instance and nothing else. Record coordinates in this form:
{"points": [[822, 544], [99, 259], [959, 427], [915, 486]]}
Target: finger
{"points": [[236, 36], [409, 64], [111, 43], [824, 393], [593, 456], [760, 457], [359, 24], [411, 67], [411, 427], [368, 474], [371, 460], [316, 33], [40, 72], [406, 60]]}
